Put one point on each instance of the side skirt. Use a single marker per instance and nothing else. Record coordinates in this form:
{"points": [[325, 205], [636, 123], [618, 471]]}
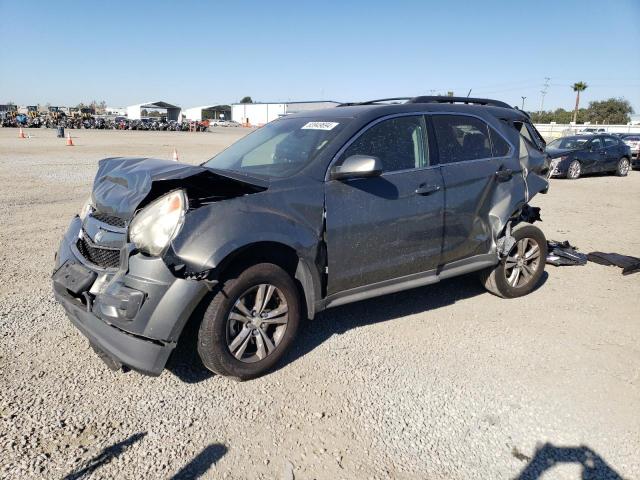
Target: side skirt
{"points": [[453, 269]]}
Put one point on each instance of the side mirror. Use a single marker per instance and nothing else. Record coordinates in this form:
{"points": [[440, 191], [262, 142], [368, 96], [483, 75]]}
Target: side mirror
{"points": [[357, 166]]}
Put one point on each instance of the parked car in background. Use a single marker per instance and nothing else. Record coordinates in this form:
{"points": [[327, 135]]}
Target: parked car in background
{"points": [[313, 210], [633, 141], [591, 131], [223, 123], [577, 155]]}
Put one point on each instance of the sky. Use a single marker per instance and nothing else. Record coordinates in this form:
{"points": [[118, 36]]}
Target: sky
{"points": [[212, 52]]}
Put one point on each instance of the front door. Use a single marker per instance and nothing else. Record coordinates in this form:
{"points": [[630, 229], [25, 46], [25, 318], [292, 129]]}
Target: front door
{"points": [[595, 157], [390, 226]]}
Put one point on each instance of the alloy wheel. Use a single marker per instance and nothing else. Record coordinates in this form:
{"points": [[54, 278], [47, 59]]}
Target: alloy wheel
{"points": [[574, 170], [257, 322], [522, 262], [624, 167]]}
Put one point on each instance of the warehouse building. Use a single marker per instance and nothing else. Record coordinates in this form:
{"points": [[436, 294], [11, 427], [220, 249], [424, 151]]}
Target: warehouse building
{"points": [[261, 113], [134, 112], [207, 112]]}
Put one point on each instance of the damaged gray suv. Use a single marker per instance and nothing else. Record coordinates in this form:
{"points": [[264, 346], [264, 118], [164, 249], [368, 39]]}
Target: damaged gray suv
{"points": [[311, 211]]}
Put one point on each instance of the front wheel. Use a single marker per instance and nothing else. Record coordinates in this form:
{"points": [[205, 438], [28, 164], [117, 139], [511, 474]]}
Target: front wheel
{"points": [[574, 171], [623, 167], [519, 272], [250, 323]]}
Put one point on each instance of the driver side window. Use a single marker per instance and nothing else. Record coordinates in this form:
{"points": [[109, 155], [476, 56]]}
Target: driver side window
{"points": [[399, 143], [596, 144]]}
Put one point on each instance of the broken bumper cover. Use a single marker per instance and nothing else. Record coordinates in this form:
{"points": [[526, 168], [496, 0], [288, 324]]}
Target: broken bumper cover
{"points": [[133, 316]]}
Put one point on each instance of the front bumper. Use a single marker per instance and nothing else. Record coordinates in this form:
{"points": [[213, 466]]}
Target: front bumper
{"points": [[133, 314]]}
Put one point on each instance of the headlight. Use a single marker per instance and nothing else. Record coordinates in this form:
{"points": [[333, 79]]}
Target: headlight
{"points": [[86, 209], [153, 228]]}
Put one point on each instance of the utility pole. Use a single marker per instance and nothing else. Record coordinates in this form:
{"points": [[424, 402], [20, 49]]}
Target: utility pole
{"points": [[523, 98], [544, 90]]}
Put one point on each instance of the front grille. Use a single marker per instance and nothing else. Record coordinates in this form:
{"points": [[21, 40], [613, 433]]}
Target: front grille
{"points": [[103, 257], [109, 219]]}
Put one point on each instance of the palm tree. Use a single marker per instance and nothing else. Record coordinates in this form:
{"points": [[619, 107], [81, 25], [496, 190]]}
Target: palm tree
{"points": [[578, 87]]}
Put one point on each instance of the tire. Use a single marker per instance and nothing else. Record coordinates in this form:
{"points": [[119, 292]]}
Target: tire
{"points": [[497, 279], [623, 167], [218, 330], [574, 170]]}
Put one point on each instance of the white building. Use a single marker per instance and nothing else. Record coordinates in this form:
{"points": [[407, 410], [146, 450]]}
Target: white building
{"points": [[119, 111], [261, 113], [197, 114], [134, 112]]}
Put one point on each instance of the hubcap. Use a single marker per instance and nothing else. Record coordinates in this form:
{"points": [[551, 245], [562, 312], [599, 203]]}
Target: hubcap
{"points": [[522, 262], [257, 322]]}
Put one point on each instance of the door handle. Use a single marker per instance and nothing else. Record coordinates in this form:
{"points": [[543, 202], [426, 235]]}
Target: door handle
{"points": [[603, 152], [504, 174], [427, 189]]}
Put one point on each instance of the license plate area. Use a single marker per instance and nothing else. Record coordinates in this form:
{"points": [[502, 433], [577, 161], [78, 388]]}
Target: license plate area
{"points": [[75, 278]]}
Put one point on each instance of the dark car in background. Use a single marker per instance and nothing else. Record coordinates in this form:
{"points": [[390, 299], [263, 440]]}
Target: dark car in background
{"points": [[311, 211], [577, 155]]}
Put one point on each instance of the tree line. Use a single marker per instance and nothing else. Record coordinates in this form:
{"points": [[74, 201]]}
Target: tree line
{"points": [[613, 111]]}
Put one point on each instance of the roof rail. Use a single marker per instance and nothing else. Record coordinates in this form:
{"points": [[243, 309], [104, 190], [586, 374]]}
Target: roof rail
{"points": [[373, 102], [467, 100]]}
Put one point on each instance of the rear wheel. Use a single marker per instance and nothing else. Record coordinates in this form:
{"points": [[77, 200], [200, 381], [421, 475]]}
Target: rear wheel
{"points": [[519, 272], [574, 171], [623, 167], [250, 323]]}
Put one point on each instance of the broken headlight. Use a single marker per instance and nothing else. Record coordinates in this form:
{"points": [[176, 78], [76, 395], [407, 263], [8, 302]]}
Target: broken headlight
{"points": [[153, 227], [86, 209]]}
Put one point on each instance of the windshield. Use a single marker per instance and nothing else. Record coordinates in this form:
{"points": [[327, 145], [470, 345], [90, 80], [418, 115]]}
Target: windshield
{"points": [[569, 142], [279, 149]]}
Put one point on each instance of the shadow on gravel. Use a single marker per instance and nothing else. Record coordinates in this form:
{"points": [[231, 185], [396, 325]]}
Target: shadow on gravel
{"points": [[185, 362], [548, 456], [186, 365], [201, 462], [382, 309], [104, 457]]}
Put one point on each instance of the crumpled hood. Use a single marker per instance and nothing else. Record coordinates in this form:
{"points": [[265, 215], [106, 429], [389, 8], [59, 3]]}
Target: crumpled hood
{"points": [[122, 185]]}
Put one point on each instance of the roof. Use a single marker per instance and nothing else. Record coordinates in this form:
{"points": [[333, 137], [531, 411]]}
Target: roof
{"points": [[154, 105], [374, 110]]}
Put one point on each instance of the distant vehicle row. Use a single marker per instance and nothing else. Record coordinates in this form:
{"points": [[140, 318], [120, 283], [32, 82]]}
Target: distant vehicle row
{"points": [[574, 156]]}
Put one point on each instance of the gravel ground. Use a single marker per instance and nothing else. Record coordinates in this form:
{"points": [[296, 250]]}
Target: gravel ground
{"points": [[445, 381]]}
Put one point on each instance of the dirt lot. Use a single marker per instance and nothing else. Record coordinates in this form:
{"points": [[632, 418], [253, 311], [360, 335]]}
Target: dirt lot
{"points": [[445, 381]]}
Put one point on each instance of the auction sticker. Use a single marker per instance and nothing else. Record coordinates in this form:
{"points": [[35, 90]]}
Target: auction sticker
{"points": [[320, 126]]}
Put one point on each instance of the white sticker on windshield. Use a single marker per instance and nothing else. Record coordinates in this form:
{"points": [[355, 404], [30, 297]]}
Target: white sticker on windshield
{"points": [[320, 126]]}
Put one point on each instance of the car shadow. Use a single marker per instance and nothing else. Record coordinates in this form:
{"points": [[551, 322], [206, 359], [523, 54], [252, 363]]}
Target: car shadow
{"points": [[105, 457], [594, 467], [187, 366], [197, 467]]}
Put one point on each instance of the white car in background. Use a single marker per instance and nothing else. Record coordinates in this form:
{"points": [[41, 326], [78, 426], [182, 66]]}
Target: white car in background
{"points": [[223, 123], [634, 144], [591, 131]]}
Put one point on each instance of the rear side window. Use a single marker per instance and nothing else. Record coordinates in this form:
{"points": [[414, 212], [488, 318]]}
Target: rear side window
{"points": [[610, 142], [530, 134], [399, 143], [461, 138]]}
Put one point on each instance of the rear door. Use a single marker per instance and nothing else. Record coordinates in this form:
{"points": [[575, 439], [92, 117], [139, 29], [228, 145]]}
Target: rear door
{"points": [[473, 174], [613, 153], [385, 227]]}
